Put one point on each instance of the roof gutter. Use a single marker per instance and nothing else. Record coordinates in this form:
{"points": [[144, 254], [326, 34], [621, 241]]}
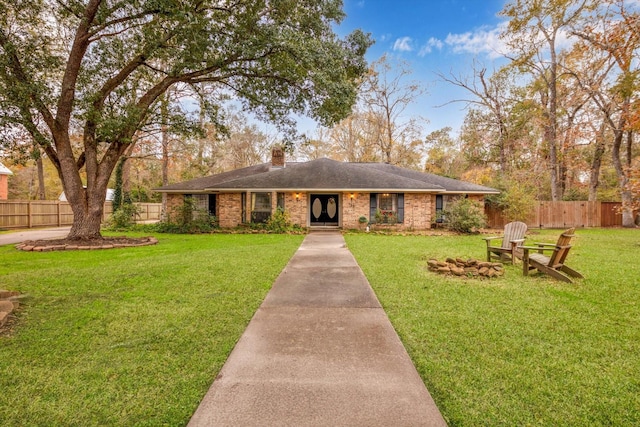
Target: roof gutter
{"points": [[325, 190]]}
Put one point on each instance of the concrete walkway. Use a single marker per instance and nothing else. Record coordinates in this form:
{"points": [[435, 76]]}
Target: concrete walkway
{"points": [[320, 351], [31, 234]]}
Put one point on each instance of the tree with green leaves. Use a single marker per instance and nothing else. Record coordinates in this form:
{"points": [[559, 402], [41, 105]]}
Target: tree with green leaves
{"points": [[100, 68]]}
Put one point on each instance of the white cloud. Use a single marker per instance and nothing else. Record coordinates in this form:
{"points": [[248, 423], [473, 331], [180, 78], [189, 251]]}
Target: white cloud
{"points": [[487, 41], [483, 40], [428, 48], [403, 44]]}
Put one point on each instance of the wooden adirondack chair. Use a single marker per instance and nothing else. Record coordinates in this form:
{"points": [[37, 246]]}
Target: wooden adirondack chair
{"points": [[511, 240], [552, 265]]}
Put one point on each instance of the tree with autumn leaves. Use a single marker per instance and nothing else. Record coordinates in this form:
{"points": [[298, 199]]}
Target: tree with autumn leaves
{"points": [[565, 106]]}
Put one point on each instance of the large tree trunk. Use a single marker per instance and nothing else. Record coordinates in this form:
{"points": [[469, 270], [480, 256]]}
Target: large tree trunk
{"points": [[88, 207], [87, 203], [86, 222], [42, 194], [165, 156], [623, 179], [552, 133], [596, 163]]}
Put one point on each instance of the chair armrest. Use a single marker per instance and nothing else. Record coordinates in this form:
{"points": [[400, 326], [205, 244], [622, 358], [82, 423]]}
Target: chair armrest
{"points": [[526, 249], [488, 239], [544, 244], [517, 241]]}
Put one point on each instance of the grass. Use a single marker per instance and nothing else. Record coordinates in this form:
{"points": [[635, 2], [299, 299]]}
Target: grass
{"points": [[517, 350], [129, 336]]}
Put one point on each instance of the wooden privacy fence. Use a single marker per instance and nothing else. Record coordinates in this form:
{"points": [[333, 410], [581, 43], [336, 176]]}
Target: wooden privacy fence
{"points": [[49, 213], [563, 215]]}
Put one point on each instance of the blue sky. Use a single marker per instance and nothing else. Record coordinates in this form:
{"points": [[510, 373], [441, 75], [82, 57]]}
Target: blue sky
{"points": [[432, 36]]}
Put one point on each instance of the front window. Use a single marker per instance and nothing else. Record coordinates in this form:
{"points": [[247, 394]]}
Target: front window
{"points": [[260, 207], [387, 208], [280, 201], [201, 202]]}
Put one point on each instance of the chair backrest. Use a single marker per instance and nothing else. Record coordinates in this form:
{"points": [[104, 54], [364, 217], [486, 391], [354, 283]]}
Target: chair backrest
{"points": [[562, 248], [513, 231]]}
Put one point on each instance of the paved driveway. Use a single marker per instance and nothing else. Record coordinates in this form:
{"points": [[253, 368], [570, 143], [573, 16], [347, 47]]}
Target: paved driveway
{"points": [[39, 234]]}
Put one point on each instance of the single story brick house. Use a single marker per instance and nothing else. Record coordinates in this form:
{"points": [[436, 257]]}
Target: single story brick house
{"points": [[324, 193], [4, 182]]}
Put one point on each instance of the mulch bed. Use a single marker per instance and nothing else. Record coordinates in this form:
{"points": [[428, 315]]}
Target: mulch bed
{"points": [[89, 244]]}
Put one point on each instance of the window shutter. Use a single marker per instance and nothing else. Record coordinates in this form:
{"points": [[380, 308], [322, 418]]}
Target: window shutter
{"points": [[400, 207], [373, 206]]}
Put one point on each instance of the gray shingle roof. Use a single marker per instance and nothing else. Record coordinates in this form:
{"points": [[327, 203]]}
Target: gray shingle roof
{"points": [[199, 184], [451, 185], [326, 175]]}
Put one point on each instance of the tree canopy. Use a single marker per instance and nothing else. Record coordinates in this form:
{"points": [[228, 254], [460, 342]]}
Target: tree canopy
{"points": [[98, 69]]}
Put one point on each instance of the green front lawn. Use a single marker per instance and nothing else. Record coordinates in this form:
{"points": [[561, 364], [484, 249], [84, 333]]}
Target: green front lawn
{"points": [[129, 336], [517, 350]]}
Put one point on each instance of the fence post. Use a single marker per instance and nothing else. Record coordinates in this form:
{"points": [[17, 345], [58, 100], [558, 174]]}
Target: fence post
{"points": [[29, 223]]}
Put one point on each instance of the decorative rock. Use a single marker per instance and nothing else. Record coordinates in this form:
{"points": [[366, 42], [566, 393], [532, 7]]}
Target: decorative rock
{"points": [[5, 294], [6, 305], [468, 268], [3, 317], [457, 271]]}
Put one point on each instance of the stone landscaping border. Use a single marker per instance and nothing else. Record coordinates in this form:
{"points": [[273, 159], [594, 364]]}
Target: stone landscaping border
{"points": [[9, 301], [31, 246]]}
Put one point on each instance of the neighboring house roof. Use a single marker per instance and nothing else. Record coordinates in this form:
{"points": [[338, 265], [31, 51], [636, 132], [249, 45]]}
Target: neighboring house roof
{"points": [[5, 170], [109, 198], [326, 175]]}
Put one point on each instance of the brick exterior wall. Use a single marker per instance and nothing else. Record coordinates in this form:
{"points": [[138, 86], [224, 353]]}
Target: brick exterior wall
{"points": [[230, 209], [353, 208], [419, 209], [174, 201], [4, 187], [297, 208]]}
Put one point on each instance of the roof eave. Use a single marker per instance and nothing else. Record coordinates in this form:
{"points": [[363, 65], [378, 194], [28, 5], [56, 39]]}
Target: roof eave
{"points": [[326, 190], [181, 191], [469, 192]]}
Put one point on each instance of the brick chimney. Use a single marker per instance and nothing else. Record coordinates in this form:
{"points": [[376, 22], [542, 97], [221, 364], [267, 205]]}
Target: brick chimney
{"points": [[277, 157]]}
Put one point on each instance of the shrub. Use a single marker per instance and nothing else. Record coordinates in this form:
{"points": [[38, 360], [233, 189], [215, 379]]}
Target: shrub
{"points": [[186, 219], [516, 201], [124, 218], [465, 216], [279, 221]]}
